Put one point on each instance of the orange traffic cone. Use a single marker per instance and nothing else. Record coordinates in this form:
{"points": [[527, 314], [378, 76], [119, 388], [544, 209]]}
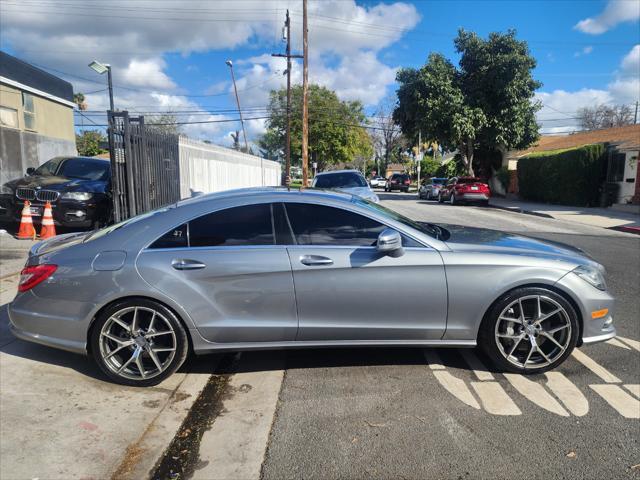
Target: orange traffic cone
{"points": [[26, 230], [48, 229]]}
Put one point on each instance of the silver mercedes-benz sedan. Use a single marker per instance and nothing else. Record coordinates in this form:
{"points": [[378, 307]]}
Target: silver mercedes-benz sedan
{"points": [[269, 268]]}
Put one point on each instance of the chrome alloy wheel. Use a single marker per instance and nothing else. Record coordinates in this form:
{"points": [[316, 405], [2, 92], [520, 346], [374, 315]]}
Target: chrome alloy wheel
{"points": [[533, 331], [137, 343]]}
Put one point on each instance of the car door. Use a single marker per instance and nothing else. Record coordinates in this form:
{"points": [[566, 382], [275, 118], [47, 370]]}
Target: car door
{"points": [[226, 271], [346, 290]]}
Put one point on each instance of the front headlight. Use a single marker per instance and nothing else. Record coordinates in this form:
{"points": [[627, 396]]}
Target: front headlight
{"points": [[591, 275], [6, 190], [77, 196]]}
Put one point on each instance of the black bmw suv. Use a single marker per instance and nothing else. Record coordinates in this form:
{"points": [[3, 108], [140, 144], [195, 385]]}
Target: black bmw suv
{"points": [[79, 189]]}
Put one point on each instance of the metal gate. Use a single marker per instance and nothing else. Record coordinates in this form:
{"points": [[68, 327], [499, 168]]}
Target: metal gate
{"points": [[145, 166]]}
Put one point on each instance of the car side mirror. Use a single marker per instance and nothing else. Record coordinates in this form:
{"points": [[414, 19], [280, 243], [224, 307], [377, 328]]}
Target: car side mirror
{"points": [[31, 171], [390, 243]]}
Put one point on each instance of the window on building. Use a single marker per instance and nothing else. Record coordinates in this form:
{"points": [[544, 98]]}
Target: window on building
{"points": [[8, 117], [616, 168], [29, 108]]}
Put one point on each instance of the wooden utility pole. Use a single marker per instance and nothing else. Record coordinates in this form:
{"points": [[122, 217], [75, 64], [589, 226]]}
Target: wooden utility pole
{"points": [[305, 97], [288, 56]]}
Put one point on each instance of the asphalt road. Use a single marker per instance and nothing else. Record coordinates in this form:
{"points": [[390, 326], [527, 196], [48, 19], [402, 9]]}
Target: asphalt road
{"points": [[415, 413]]}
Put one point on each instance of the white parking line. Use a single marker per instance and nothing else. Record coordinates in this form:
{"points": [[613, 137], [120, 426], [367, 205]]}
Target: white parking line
{"points": [[596, 368], [568, 393], [632, 343], [621, 401], [476, 365], [633, 388], [617, 343], [494, 399], [457, 388], [535, 393]]}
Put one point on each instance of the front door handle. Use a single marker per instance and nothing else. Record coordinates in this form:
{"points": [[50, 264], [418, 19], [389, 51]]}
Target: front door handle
{"points": [[186, 264], [315, 260]]}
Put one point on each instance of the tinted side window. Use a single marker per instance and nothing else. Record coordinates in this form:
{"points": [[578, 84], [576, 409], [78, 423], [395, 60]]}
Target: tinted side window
{"points": [[247, 225], [281, 226], [321, 225], [175, 238]]}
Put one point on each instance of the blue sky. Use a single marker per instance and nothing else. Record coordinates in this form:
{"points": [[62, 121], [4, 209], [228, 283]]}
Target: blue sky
{"points": [[169, 55]]}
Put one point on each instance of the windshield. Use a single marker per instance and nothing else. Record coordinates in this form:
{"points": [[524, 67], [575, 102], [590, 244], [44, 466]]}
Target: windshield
{"points": [[438, 181], [427, 228], [340, 180], [84, 169], [49, 167]]}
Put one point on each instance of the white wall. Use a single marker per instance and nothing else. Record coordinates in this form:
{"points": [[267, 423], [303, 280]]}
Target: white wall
{"points": [[210, 168]]}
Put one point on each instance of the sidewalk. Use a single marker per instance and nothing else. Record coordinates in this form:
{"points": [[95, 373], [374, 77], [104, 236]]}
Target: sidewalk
{"points": [[597, 217]]}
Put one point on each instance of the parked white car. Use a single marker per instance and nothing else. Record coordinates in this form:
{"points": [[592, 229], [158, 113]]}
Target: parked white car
{"points": [[350, 181], [378, 182]]}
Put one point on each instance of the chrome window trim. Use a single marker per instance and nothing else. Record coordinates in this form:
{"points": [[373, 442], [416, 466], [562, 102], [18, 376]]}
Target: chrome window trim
{"points": [[273, 247]]}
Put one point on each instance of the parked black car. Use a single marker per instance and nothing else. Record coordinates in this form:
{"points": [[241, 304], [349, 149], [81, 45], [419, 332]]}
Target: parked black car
{"points": [[79, 189], [398, 181]]}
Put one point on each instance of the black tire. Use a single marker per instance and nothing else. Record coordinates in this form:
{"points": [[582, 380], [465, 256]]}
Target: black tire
{"points": [[485, 203], [488, 341], [181, 342]]}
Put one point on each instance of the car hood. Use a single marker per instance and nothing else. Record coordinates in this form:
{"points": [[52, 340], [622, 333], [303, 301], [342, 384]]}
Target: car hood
{"points": [[52, 182], [460, 238]]}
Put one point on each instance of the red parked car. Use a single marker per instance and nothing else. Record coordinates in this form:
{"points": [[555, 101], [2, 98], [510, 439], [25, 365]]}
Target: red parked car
{"points": [[465, 189]]}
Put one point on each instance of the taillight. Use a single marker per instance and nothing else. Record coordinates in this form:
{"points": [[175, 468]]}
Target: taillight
{"points": [[32, 276]]}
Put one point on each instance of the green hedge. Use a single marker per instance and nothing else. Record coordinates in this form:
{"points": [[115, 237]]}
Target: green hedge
{"points": [[565, 177]]}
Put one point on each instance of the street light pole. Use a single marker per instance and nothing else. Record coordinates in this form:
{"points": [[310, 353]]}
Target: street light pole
{"points": [[235, 89], [110, 84]]}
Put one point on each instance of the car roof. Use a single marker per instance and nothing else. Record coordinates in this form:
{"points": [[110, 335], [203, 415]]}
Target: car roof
{"points": [[339, 171], [266, 191]]}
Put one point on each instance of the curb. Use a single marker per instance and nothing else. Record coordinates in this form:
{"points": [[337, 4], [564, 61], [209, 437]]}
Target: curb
{"points": [[520, 210], [143, 454]]}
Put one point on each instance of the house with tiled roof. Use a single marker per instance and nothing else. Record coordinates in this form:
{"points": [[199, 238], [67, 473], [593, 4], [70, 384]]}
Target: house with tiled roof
{"points": [[623, 149]]}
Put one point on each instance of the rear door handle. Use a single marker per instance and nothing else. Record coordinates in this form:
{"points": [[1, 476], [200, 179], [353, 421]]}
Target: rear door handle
{"points": [[186, 264], [315, 260]]}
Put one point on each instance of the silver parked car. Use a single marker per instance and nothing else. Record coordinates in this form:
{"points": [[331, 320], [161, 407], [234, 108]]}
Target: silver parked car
{"points": [[269, 268], [349, 181]]}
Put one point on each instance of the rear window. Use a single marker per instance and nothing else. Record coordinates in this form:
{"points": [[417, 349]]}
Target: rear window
{"points": [[468, 180], [439, 181], [340, 180]]}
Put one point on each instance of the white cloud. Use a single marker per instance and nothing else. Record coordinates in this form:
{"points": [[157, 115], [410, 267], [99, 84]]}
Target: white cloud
{"points": [[344, 38], [147, 73], [585, 51], [631, 61], [561, 107], [616, 11]]}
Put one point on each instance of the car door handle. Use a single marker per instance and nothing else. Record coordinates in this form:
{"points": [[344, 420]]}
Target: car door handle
{"points": [[186, 264], [315, 260]]}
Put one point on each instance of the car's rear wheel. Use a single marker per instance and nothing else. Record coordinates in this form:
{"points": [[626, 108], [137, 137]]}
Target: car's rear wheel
{"points": [[529, 330], [138, 342]]}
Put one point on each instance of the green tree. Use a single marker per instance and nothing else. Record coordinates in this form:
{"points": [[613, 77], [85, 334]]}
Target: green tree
{"points": [[335, 131], [487, 102], [165, 123], [88, 143]]}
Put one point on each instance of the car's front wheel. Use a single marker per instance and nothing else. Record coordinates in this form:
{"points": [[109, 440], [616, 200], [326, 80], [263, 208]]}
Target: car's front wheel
{"points": [[138, 342], [529, 330]]}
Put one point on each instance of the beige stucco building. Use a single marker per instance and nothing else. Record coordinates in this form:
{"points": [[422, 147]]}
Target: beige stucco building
{"points": [[36, 117]]}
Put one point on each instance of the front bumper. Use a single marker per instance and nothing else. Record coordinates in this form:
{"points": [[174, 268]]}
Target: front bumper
{"points": [[589, 300], [65, 213]]}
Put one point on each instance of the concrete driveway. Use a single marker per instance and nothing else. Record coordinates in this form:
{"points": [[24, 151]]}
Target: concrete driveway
{"points": [[60, 418]]}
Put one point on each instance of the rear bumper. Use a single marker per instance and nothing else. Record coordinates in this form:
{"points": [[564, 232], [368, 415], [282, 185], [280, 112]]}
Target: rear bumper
{"points": [[59, 324], [473, 197]]}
